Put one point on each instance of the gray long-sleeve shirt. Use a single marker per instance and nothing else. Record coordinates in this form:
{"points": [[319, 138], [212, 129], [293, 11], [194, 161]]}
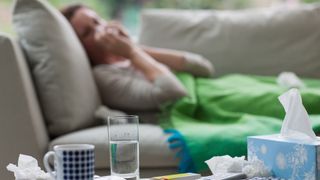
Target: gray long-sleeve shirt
{"points": [[127, 89]]}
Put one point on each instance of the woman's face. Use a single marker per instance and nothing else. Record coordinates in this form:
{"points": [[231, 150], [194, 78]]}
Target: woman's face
{"points": [[86, 23]]}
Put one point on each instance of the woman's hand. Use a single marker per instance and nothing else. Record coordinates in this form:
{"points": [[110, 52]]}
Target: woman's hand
{"points": [[114, 42], [116, 25]]}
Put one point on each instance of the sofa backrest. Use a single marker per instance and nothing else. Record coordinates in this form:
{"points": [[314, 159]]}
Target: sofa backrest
{"points": [[22, 129], [254, 41], [62, 74]]}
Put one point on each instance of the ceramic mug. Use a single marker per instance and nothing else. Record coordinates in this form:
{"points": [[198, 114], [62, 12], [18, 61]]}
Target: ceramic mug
{"points": [[71, 162]]}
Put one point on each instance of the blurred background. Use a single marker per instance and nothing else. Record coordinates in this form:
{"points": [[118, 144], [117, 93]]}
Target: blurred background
{"points": [[128, 11]]}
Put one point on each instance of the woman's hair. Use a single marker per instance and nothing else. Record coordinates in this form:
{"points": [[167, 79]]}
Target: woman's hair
{"points": [[70, 10]]}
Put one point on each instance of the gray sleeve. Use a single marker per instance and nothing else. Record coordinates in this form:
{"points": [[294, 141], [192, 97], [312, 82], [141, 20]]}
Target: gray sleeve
{"points": [[102, 113], [125, 91], [197, 65]]}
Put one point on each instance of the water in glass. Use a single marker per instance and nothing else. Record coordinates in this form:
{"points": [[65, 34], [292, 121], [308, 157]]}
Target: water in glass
{"points": [[124, 158]]}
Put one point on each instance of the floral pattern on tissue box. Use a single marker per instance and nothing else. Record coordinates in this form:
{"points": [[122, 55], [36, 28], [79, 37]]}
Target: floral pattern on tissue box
{"points": [[288, 159]]}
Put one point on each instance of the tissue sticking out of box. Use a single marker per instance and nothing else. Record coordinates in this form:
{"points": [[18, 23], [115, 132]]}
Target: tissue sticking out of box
{"points": [[296, 123], [28, 169]]}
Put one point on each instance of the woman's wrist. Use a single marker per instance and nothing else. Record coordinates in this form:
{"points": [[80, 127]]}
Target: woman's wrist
{"points": [[133, 52]]}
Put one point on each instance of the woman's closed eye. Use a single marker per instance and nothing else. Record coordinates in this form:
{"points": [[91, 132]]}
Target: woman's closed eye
{"points": [[91, 29], [96, 22]]}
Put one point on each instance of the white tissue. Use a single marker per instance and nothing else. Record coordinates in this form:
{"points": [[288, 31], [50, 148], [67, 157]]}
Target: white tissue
{"points": [[256, 168], [222, 164], [296, 123], [227, 164], [28, 169], [289, 80]]}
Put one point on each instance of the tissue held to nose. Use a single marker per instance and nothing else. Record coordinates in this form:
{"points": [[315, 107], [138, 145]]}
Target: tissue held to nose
{"points": [[28, 169]]}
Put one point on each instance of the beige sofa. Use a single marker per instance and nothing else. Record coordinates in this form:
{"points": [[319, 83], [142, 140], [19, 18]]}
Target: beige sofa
{"points": [[23, 129], [24, 114], [251, 41]]}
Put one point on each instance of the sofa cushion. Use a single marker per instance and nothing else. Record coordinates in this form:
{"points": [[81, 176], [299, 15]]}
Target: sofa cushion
{"points": [[153, 146], [59, 65], [254, 41]]}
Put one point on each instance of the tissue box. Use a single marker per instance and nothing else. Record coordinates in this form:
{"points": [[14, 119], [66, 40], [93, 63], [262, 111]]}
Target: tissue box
{"points": [[288, 159]]}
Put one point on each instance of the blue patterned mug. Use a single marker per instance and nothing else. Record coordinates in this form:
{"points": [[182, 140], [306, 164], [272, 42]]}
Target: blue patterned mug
{"points": [[71, 162]]}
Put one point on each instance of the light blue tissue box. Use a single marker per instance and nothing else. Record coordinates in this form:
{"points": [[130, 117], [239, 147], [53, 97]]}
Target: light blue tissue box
{"points": [[288, 159]]}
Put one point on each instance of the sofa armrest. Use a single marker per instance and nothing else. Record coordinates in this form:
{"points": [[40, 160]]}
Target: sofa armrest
{"points": [[22, 129]]}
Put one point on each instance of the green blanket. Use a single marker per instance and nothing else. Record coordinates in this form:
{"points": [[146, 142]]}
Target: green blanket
{"points": [[218, 115]]}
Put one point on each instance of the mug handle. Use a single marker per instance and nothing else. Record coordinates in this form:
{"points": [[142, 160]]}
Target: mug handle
{"points": [[46, 163]]}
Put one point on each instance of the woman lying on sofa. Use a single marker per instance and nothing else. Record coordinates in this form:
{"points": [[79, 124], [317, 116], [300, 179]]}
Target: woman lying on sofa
{"points": [[217, 115], [131, 77]]}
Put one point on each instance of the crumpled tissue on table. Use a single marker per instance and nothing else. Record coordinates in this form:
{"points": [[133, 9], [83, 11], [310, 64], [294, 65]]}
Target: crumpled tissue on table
{"points": [[28, 169], [227, 164]]}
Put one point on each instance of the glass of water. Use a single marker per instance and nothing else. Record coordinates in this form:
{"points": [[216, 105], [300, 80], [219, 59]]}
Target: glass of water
{"points": [[124, 146]]}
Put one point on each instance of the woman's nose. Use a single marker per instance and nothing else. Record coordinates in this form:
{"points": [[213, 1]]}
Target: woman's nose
{"points": [[103, 23], [100, 28], [99, 32]]}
